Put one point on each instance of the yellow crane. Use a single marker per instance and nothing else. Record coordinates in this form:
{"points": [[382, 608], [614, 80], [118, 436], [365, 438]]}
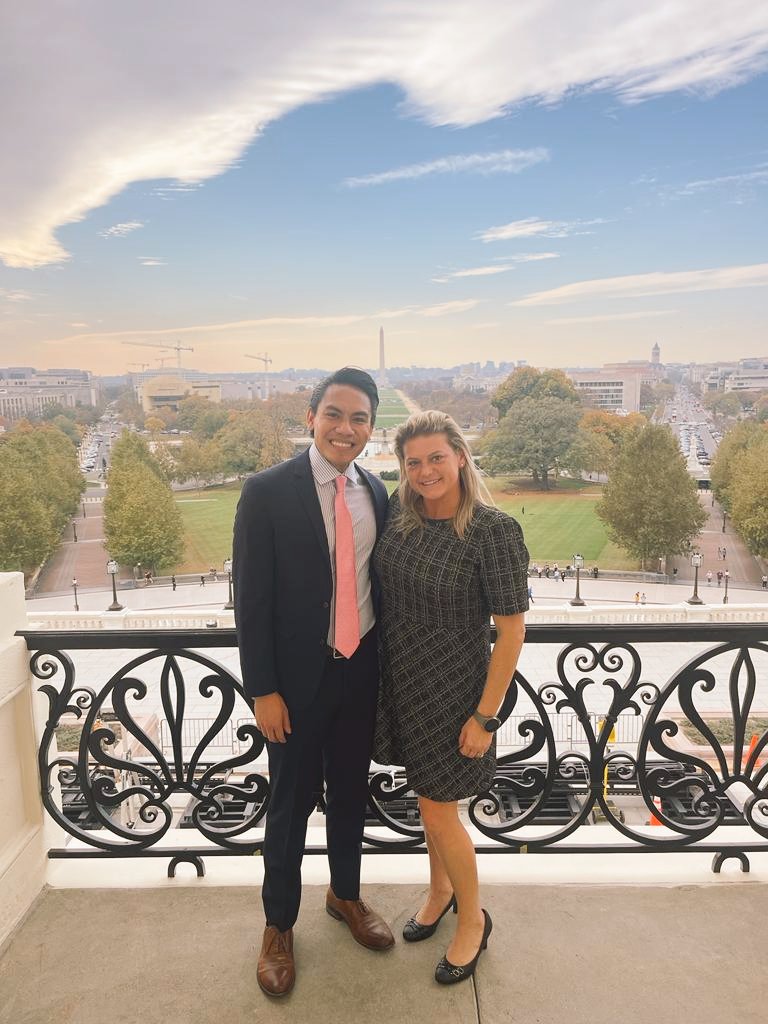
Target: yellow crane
{"points": [[264, 358], [178, 348]]}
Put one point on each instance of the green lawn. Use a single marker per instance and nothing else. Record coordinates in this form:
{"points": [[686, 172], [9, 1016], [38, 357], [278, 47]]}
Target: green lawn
{"points": [[555, 524], [391, 412]]}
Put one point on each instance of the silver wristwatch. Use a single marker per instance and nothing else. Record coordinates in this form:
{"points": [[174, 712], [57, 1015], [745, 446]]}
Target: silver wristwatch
{"points": [[489, 723]]}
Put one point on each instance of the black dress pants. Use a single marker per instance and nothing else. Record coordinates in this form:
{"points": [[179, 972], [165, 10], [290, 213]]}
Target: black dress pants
{"points": [[334, 734]]}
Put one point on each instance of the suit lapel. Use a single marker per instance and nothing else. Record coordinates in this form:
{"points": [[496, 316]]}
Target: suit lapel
{"points": [[379, 500], [305, 485]]}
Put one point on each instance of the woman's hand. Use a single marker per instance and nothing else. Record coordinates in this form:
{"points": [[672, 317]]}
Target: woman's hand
{"points": [[474, 740]]}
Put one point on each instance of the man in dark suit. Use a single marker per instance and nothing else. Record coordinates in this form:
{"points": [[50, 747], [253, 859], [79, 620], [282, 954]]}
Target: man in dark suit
{"points": [[305, 615]]}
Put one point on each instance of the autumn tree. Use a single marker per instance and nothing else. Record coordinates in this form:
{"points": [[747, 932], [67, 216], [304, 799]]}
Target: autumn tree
{"points": [[528, 382], [738, 439], [650, 504], [749, 495], [536, 436], [142, 522]]}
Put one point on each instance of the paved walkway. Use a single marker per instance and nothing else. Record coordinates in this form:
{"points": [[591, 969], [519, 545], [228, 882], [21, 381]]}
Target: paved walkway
{"points": [[739, 561], [572, 954]]}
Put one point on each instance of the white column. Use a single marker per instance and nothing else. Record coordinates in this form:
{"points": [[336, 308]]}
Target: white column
{"points": [[22, 845]]}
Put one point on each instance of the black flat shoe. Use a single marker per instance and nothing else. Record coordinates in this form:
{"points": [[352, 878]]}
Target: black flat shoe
{"points": [[449, 974], [415, 932]]}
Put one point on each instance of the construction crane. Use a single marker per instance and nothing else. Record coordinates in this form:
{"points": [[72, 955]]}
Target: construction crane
{"points": [[264, 358], [142, 366], [178, 348]]}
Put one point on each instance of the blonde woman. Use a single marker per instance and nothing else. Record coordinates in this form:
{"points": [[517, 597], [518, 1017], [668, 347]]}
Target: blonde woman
{"points": [[448, 561]]}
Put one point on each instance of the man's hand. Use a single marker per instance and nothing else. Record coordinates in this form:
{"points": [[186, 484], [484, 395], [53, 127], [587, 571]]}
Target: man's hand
{"points": [[473, 739], [272, 717]]}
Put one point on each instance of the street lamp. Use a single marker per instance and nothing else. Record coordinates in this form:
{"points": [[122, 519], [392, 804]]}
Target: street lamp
{"points": [[74, 531], [725, 514], [578, 564], [74, 588], [696, 563], [725, 595], [228, 570], [112, 570]]}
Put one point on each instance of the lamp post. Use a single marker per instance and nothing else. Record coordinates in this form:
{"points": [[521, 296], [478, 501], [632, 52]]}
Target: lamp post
{"points": [[578, 564], [725, 595], [74, 531], [696, 563], [725, 515], [112, 570], [74, 588], [228, 570]]}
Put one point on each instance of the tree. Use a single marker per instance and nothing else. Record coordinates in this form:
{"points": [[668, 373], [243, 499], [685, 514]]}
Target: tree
{"points": [[199, 461], [737, 440], [129, 449], [154, 424], [40, 488], [528, 382], [650, 503], [142, 522], [253, 440], [536, 435], [749, 495]]}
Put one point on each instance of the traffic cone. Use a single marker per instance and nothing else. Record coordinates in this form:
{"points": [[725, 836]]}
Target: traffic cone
{"points": [[752, 745], [657, 804]]}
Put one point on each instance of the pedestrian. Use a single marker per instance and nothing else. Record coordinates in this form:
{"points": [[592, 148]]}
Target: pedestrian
{"points": [[147, 577], [308, 652], [764, 582], [202, 580], [173, 581], [637, 597], [643, 598], [530, 594], [723, 554], [709, 577], [440, 690], [539, 571], [719, 577], [674, 575], [719, 551], [212, 573], [562, 575]]}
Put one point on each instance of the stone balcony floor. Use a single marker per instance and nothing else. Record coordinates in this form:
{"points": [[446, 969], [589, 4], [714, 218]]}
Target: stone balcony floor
{"points": [[559, 954]]}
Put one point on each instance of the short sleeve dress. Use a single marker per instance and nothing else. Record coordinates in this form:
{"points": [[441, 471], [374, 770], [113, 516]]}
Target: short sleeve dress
{"points": [[438, 592]]}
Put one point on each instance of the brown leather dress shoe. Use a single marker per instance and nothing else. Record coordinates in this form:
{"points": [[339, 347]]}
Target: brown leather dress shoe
{"points": [[367, 927], [276, 972]]}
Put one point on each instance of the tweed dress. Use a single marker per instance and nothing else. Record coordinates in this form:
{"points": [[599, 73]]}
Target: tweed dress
{"points": [[437, 594]]}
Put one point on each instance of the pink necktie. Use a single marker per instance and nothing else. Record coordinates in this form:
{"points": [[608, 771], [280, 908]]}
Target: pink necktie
{"points": [[347, 623]]}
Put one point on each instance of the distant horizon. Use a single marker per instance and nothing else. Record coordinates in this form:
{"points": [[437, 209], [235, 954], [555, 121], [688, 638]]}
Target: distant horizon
{"points": [[564, 189]]}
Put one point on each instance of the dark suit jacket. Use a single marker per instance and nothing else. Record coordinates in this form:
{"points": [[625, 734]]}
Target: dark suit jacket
{"points": [[282, 580]]}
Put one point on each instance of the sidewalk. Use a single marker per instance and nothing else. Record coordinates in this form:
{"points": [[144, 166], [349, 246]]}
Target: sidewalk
{"points": [[740, 562]]}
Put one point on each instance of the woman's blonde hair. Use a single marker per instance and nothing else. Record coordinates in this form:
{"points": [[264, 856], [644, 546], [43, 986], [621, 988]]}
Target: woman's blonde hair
{"points": [[473, 490]]}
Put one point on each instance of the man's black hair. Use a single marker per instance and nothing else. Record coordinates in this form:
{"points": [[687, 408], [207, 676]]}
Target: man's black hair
{"points": [[353, 377]]}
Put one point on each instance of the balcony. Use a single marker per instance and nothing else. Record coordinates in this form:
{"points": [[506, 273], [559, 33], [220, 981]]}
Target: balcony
{"points": [[633, 767]]}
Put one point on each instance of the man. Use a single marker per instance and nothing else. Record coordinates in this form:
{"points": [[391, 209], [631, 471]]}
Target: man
{"points": [[305, 615]]}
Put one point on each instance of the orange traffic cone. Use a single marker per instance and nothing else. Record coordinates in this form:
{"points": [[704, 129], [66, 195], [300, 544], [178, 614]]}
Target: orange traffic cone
{"points": [[752, 745], [657, 804]]}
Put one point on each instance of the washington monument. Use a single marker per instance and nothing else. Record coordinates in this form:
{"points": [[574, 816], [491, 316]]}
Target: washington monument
{"points": [[382, 374]]}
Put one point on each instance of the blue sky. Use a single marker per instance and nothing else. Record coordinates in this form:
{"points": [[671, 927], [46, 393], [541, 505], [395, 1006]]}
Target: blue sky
{"points": [[482, 188]]}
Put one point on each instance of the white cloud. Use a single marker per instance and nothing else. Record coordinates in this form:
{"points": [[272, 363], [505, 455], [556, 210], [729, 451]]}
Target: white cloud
{"points": [[445, 308], [739, 183], [151, 261], [497, 268], [120, 230], [604, 317], [15, 296], [659, 283], [508, 161], [531, 227], [82, 129]]}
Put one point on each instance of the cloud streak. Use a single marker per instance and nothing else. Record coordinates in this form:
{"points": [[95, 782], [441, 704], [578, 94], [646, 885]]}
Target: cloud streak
{"points": [[659, 283], [533, 227], [121, 230], [508, 161], [81, 128], [607, 317], [497, 268]]}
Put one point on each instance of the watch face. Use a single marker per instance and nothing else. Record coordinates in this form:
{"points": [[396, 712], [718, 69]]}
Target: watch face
{"points": [[492, 724]]}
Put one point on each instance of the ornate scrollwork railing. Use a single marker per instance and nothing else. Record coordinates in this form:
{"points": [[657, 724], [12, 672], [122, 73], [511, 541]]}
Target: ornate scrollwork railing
{"points": [[131, 787]]}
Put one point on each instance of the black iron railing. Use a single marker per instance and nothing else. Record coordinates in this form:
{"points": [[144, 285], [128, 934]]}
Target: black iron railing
{"points": [[136, 780]]}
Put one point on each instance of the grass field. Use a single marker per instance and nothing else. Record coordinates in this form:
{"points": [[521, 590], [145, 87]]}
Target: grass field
{"points": [[555, 524], [391, 411]]}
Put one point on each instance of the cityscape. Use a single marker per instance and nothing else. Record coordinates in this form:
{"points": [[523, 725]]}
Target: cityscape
{"points": [[547, 224]]}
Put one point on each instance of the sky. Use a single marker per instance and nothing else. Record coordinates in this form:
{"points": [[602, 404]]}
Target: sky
{"points": [[560, 183]]}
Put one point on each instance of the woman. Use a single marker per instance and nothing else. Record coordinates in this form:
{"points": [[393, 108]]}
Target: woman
{"points": [[447, 562]]}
